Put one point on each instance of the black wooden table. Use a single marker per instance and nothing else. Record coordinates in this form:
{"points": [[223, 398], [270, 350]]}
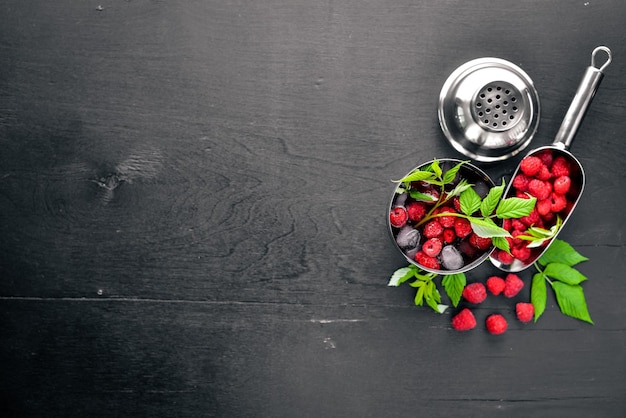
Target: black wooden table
{"points": [[193, 201]]}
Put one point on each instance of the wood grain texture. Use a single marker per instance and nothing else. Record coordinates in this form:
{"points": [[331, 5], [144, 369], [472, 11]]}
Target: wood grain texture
{"points": [[193, 199]]}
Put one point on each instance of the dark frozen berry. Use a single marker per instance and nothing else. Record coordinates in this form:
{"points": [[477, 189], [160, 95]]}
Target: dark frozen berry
{"points": [[451, 258], [407, 237]]}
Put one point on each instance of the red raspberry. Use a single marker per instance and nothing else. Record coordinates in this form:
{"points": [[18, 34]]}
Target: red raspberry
{"points": [[496, 324], [464, 320], [462, 227], [433, 229], [521, 253], [416, 211], [524, 311], [543, 206], [432, 247], [544, 174], [560, 167], [539, 189], [398, 217], [561, 184], [495, 285], [479, 242], [448, 236], [512, 285], [530, 165], [520, 182], [518, 225], [507, 224], [531, 219], [503, 256], [545, 156], [475, 293], [426, 261], [447, 221], [456, 202], [558, 202]]}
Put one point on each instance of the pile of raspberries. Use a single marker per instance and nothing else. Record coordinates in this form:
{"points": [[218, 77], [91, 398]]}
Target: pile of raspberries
{"points": [[547, 176], [476, 293]]}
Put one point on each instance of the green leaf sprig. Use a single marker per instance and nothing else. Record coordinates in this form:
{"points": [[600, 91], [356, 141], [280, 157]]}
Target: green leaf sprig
{"points": [[555, 267], [423, 281]]}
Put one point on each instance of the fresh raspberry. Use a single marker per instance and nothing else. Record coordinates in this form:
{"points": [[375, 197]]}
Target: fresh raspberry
{"points": [[524, 311], [495, 284], [561, 184], [539, 189], [426, 261], [503, 257], [464, 320], [479, 242], [416, 211], [432, 247], [520, 182], [518, 225], [448, 235], [462, 227], [447, 221], [507, 224], [545, 156], [558, 202], [433, 229], [517, 242], [512, 285], [560, 167], [544, 174], [475, 293], [531, 219], [531, 165], [543, 206], [496, 324], [398, 217], [521, 253]]}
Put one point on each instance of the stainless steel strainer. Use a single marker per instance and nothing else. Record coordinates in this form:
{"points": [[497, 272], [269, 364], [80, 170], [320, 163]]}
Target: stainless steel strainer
{"points": [[489, 109]]}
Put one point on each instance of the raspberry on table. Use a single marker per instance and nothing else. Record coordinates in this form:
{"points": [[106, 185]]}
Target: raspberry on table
{"points": [[512, 285], [398, 216], [524, 311], [426, 261], [531, 165], [462, 227], [464, 320], [433, 229], [432, 247], [475, 293], [416, 211], [496, 324], [495, 284]]}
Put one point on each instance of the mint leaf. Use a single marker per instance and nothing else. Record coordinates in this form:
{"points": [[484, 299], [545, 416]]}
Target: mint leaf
{"points": [[564, 273], [501, 243], [490, 202], [400, 276], [538, 294], [458, 189], [470, 201], [515, 207], [561, 252], [453, 285], [571, 300], [451, 174], [416, 175], [486, 228]]}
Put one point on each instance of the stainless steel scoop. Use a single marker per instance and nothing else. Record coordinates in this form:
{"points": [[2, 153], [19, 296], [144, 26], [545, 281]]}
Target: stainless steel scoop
{"points": [[564, 138]]}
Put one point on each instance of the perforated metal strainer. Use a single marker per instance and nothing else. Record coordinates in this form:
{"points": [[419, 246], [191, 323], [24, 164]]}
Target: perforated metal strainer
{"points": [[489, 109]]}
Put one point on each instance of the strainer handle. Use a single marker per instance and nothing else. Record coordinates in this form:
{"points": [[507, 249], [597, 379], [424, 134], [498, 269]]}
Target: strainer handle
{"points": [[582, 99]]}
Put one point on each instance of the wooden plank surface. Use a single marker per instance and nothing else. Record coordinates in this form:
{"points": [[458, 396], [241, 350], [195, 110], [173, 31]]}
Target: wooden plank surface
{"points": [[193, 207]]}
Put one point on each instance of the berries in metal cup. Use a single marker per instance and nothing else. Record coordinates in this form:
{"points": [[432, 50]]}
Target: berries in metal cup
{"points": [[426, 221]]}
